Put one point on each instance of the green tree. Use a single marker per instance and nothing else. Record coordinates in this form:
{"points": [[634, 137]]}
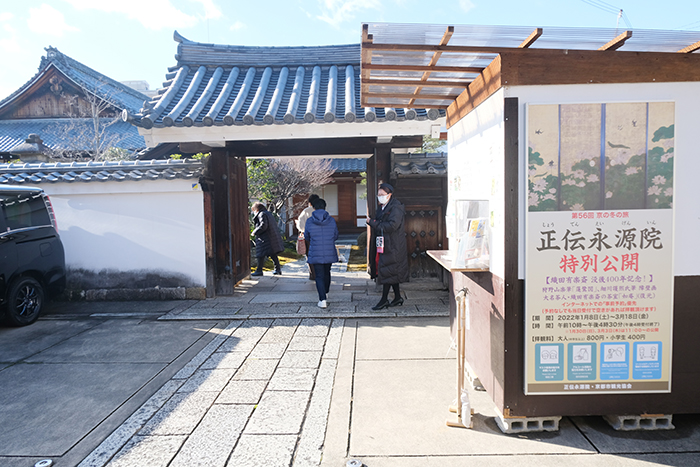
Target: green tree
{"points": [[433, 144], [275, 182]]}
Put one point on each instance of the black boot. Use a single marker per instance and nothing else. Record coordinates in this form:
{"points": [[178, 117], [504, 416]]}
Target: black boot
{"points": [[397, 301], [259, 270], [278, 268]]}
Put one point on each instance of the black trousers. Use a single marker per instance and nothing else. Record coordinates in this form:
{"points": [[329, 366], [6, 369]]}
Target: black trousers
{"points": [[261, 261], [323, 279]]}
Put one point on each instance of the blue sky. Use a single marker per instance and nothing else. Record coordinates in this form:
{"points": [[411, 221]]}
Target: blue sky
{"points": [[132, 39]]}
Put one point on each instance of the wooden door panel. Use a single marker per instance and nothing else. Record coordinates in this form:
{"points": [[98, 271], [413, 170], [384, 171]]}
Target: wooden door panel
{"points": [[423, 232]]}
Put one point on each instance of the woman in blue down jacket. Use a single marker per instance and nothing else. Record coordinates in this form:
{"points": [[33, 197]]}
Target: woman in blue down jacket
{"points": [[322, 232]]}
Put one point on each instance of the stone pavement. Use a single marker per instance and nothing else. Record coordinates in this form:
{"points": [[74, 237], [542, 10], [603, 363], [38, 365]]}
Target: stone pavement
{"points": [[286, 384], [259, 393], [352, 295]]}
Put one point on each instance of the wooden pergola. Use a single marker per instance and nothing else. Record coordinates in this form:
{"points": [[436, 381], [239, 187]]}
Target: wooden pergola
{"points": [[420, 70], [486, 77]]}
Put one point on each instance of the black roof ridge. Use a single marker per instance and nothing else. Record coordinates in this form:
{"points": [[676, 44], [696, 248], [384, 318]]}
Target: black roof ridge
{"points": [[348, 54]]}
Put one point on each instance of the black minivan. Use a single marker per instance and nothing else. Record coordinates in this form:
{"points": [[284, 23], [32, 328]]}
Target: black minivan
{"points": [[32, 260]]}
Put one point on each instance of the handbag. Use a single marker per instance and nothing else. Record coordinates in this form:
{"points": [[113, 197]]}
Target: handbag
{"points": [[301, 244]]}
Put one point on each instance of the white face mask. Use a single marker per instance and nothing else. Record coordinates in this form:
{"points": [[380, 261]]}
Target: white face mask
{"points": [[383, 199]]}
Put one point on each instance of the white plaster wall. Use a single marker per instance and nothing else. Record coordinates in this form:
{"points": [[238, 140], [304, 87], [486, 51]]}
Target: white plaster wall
{"points": [[329, 193], [686, 152], [126, 226], [475, 154]]}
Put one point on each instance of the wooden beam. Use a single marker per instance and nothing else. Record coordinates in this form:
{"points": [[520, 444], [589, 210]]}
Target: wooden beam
{"points": [[458, 49], [366, 54], [411, 96], [618, 42], [531, 38], [434, 69], [525, 68], [691, 48], [317, 146], [477, 92], [414, 83], [403, 105], [535, 67], [436, 56]]}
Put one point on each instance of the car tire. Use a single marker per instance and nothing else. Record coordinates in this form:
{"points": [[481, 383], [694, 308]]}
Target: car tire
{"points": [[24, 302]]}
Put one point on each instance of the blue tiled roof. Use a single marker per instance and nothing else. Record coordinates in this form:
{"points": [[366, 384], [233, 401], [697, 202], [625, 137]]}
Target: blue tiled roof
{"points": [[53, 130], [31, 174], [349, 165], [119, 95], [236, 85]]}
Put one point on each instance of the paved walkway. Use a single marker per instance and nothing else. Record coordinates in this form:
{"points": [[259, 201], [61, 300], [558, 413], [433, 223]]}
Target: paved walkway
{"points": [[259, 393], [286, 384], [352, 295]]}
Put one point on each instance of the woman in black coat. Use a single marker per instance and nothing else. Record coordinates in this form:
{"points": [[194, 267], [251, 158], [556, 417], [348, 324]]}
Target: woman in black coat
{"points": [[268, 241], [391, 266]]}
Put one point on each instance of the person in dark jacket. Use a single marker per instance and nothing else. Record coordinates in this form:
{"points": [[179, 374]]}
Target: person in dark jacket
{"points": [[322, 232], [389, 267], [268, 241]]}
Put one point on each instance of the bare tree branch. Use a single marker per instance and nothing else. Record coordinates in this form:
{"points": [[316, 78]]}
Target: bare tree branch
{"points": [[277, 181], [86, 135]]}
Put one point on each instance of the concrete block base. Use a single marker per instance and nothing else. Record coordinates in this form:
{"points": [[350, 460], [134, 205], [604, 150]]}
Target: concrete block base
{"points": [[640, 422], [510, 425]]}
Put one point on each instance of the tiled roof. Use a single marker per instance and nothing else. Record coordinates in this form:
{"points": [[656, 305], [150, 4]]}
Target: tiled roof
{"points": [[30, 174], [349, 165], [52, 132], [119, 95], [237, 85], [419, 164]]}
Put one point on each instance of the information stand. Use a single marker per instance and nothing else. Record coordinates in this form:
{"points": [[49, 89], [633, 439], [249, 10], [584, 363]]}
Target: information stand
{"points": [[462, 407]]}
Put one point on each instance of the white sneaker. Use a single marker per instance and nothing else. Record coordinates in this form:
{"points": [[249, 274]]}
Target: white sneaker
{"points": [[322, 304]]}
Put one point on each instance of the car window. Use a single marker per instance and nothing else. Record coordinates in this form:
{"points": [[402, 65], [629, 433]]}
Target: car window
{"points": [[25, 210]]}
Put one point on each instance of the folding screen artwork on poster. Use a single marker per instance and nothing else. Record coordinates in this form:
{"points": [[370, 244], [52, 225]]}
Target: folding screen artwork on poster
{"points": [[599, 244]]}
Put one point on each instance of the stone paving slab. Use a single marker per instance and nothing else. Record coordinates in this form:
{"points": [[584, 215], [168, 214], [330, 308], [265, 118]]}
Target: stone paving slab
{"points": [[21, 343], [242, 392], [225, 360], [300, 297], [213, 440], [293, 379], [400, 408], [114, 442], [301, 359], [270, 309], [48, 428], [180, 415], [263, 451], [685, 437], [208, 380], [256, 369], [395, 340], [267, 351], [307, 343], [316, 327], [153, 451], [509, 460], [122, 335], [279, 412]]}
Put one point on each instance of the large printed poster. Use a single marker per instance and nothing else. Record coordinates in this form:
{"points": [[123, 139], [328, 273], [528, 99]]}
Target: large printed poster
{"points": [[599, 234]]}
